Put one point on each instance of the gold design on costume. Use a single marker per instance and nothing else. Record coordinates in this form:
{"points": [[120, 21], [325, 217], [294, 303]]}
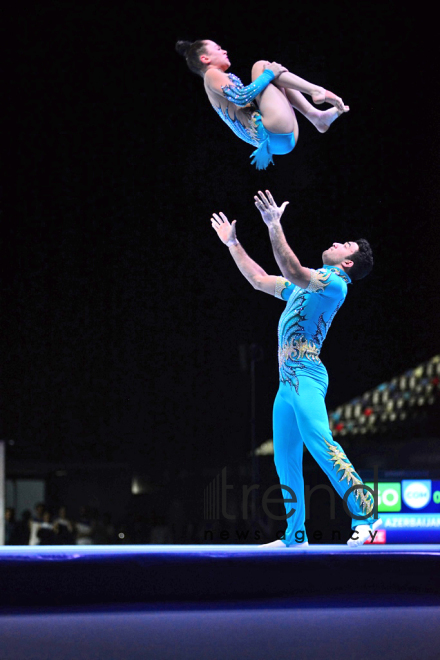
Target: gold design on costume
{"points": [[340, 459], [280, 284], [341, 274], [318, 280], [297, 349], [253, 120]]}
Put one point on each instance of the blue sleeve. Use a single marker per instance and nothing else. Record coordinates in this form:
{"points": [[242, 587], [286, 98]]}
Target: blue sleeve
{"points": [[283, 288], [240, 95]]}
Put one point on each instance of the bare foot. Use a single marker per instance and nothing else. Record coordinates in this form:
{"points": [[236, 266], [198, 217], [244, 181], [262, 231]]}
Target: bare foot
{"points": [[325, 96], [322, 120]]}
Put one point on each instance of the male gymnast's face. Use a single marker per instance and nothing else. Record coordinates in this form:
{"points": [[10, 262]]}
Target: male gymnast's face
{"points": [[340, 253], [215, 55]]}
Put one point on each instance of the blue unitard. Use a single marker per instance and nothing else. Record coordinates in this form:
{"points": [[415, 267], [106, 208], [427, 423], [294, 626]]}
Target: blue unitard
{"points": [[255, 133], [299, 414]]}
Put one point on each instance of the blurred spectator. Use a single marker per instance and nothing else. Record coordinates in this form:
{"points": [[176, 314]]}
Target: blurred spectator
{"points": [[10, 525], [36, 522], [46, 534], [104, 531], [63, 528], [22, 530], [39, 510], [84, 527]]}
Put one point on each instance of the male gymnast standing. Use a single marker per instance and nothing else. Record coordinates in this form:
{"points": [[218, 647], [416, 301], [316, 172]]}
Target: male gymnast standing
{"points": [[313, 298]]}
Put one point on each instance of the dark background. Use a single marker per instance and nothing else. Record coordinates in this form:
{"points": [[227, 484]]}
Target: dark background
{"points": [[123, 314]]}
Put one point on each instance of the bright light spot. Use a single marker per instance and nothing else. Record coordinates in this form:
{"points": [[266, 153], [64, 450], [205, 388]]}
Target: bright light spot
{"points": [[265, 449]]}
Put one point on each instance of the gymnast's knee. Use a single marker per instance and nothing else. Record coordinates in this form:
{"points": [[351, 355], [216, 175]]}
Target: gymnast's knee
{"points": [[258, 68]]}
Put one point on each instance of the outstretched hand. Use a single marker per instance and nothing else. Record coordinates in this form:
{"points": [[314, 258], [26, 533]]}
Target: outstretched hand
{"points": [[270, 212], [225, 229]]}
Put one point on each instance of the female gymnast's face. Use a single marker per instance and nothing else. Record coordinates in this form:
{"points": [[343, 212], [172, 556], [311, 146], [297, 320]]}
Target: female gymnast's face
{"points": [[339, 252], [215, 56]]}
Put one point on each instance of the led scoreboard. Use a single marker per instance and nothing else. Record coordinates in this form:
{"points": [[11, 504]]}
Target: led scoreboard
{"points": [[410, 511]]}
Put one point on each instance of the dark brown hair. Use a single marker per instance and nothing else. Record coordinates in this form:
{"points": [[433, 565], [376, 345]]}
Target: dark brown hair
{"points": [[362, 260], [191, 51]]}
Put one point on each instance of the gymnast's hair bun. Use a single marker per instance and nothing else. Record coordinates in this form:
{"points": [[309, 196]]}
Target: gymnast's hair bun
{"points": [[183, 47]]}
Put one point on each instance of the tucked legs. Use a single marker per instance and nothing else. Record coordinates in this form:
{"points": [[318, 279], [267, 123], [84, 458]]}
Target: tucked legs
{"points": [[286, 92], [276, 111], [321, 119]]}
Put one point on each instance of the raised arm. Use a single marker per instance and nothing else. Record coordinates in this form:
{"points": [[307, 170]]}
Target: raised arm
{"points": [[286, 259], [254, 274]]}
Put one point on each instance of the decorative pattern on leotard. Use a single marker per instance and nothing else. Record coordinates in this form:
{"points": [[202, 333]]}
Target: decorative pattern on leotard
{"points": [[340, 460], [253, 131], [318, 281], [237, 93], [249, 134], [280, 284], [290, 330], [304, 323]]}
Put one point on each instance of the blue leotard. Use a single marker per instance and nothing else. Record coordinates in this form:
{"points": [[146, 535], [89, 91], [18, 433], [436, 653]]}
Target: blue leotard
{"points": [[255, 133], [299, 415], [308, 315]]}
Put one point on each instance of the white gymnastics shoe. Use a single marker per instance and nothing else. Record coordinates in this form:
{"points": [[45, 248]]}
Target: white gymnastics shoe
{"points": [[274, 545], [363, 534]]}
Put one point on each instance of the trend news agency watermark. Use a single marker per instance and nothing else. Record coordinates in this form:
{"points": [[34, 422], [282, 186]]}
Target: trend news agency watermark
{"points": [[215, 505]]}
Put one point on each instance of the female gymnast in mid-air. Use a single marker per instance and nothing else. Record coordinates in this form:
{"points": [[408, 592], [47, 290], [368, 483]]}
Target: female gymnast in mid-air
{"points": [[262, 113]]}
